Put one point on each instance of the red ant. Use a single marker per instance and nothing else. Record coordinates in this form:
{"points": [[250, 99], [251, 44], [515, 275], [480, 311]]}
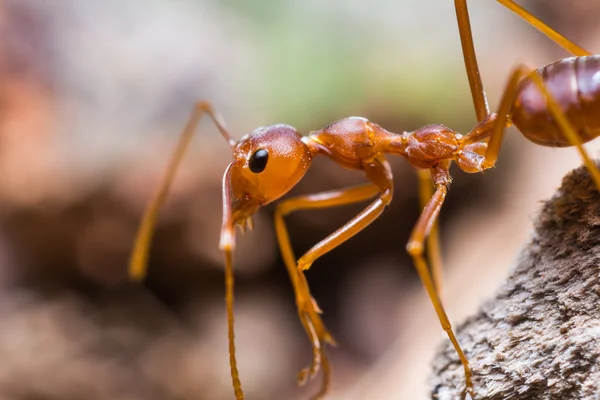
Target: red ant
{"points": [[270, 161]]}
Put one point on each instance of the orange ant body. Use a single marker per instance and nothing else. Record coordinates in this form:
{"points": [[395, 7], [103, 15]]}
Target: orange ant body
{"points": [[270, 161]]}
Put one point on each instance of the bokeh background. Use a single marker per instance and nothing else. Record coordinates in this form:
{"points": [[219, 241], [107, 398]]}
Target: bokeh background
{"points": [[93, 96]]}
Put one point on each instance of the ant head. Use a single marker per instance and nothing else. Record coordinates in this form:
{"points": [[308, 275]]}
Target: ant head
{"points": [[266, 164]]}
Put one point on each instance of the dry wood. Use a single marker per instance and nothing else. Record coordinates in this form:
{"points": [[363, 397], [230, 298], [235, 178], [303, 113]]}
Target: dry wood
{"points": [[539, 337]]}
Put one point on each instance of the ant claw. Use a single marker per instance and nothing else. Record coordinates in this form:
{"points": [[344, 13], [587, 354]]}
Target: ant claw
{"points": [[468, 393], [316, 365], [309, 372], [302, 377]]}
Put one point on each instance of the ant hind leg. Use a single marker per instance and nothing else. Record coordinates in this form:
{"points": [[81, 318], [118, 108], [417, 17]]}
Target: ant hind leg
{"points": [[501, 122], [568, 130], [415, 249], [434, 253], [545, 29]]}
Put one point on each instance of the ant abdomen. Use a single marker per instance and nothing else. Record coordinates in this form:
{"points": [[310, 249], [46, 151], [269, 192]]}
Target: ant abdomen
{"points": [[575, 84]]}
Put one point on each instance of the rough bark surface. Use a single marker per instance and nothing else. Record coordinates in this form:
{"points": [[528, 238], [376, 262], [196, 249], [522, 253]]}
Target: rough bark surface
{"points": [[539, 338]]}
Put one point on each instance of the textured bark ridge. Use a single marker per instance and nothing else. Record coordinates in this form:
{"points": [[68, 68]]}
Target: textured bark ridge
{"points": [[539, 338]]}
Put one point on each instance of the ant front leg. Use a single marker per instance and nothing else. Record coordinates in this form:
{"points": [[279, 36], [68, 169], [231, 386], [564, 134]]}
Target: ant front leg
{"points": [[415, 247], [378, 171], [308, 310]]}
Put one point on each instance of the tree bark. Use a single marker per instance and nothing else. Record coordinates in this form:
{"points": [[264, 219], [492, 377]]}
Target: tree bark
{"points": [[539, 337]]}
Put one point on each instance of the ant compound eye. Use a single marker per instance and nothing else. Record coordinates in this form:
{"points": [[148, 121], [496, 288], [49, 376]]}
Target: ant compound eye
{"points": [[258, 161]]}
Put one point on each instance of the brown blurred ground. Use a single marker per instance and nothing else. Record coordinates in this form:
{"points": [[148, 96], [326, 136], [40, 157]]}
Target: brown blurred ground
{"points": [[93, 97]]}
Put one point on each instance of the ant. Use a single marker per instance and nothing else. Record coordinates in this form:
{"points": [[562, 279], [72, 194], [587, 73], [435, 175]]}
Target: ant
{"points": [[271, 160]]}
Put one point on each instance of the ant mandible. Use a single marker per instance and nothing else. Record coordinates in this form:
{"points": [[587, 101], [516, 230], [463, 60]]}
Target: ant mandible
{"points": [[270, 161]]}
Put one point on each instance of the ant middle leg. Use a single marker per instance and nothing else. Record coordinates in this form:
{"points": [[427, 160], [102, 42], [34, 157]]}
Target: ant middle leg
{"points": [[466, 40]]}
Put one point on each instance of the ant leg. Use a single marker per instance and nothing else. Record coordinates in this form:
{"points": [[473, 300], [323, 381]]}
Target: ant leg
{"points": [[434, 254], [415, 245], [500, 124], [545, 29], [466, 40], [568, 130], [139, 256], [308, 310], [379, 173]]}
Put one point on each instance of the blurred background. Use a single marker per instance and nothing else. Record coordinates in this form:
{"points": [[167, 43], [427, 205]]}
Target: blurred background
{"points": [[93, 96]]}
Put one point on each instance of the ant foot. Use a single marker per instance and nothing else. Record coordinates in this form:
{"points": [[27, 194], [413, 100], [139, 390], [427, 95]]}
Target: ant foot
{"points": [[309, 313], [311, 372], [319, 361], [468, 392]]}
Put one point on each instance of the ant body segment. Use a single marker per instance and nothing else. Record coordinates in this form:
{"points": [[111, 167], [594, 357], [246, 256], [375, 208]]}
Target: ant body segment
{"points": [[268, 162], [271, 160]]}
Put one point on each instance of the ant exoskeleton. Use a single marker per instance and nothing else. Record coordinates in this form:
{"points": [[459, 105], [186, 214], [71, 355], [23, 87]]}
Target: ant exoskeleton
{"points": [[555, 105], [271, 160]]}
